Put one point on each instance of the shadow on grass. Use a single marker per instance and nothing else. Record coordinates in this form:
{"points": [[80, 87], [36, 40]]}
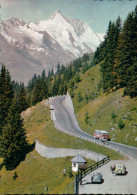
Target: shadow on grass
{"points": [[15, 160], [1, 165], [31, 147]]}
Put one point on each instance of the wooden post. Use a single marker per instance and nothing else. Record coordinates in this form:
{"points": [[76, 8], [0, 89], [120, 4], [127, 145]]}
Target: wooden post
{"points": [[76, 186]]}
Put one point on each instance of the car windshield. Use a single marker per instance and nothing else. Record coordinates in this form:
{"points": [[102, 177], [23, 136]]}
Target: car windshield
{"points": [[97, 131], [119, 166]]}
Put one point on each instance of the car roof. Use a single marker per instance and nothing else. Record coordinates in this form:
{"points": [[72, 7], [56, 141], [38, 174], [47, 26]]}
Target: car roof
{"points": [[104, 131], [101, 131], [96, 173], [120, 165]]}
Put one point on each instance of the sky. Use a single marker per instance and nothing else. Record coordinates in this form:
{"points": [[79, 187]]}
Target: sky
{"points": [[96, 13]]}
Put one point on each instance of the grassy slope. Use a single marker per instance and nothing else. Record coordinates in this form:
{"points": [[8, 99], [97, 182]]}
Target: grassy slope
{"points": [[100, 109], [35, 171]]}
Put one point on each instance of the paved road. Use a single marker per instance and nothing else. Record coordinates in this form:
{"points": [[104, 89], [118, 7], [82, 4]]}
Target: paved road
{"points": [[65, 120]]}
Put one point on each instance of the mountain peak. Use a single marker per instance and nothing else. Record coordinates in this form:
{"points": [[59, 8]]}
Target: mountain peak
{"points": [[57, 13]]}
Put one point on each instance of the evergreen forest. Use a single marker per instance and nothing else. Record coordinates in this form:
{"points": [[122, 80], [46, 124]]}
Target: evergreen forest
{"points": [[117, 56]]}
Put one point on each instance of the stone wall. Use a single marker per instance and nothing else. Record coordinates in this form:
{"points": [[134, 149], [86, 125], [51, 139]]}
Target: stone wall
{"points": [[68, 102], [51, 152]]}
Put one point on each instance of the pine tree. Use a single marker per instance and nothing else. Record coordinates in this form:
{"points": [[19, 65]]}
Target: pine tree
{"points": [[126, 56], [36, 93], [85, 57], [55, 88], [58, 68], [44, 89], [13, 145], [22, 99], [52, 72], [40, 91], [107, 66], [6, 95], [32, 83], [62, 69], [43, 75]]}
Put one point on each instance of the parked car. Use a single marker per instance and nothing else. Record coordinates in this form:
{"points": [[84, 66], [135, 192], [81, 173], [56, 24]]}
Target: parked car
{"points": [[99, 134], [96, 178], [119, 169]]}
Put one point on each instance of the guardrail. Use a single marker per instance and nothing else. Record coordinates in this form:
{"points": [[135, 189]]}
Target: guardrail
{"points": [[80, 175]]}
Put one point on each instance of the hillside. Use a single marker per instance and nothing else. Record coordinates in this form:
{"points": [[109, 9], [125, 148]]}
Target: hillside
{"points": [[43, 171], [97, 110]]}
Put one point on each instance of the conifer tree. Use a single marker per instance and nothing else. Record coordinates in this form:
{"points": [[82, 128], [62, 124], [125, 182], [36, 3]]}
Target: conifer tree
{"points": [[36, 97], [40, 91], [126, 56], [13, 145], [55, 88], [52, 72], [62, 69], [32, 83], [43, 75], [22, 99], [6, 95], [58, 68], [44, 89], [85, 57], [107, 66]]}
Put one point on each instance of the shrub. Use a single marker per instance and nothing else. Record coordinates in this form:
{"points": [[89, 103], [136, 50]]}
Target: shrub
{"points": [[79, 97], [86, 117], [113, 115], [77, 78], [72, 94], [86, 97], [70, 172], [15, 175], [121, 124], [129, 118]]}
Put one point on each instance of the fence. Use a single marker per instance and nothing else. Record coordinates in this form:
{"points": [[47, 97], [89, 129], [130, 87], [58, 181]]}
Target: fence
{"points": [[79, 176]]}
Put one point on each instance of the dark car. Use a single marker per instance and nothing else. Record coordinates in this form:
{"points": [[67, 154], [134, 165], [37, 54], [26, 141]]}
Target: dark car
{"points": [[96, 178]]}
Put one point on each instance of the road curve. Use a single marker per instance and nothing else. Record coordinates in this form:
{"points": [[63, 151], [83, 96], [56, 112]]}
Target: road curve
{"points": [[65, 121]]}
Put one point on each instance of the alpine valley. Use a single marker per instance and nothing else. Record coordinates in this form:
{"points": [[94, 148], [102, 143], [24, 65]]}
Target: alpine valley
{"points": [[28, 48]]}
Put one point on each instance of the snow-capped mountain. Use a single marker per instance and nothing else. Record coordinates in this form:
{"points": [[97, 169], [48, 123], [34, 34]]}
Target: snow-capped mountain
{"points": [[28, 48]]}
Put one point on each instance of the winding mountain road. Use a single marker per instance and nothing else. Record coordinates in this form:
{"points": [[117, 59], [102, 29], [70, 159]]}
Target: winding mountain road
{"points": [[64, 119], [62, 113]]}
